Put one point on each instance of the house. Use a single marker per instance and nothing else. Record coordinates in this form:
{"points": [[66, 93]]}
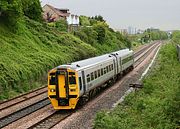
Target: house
{"points": [[51, 14]]}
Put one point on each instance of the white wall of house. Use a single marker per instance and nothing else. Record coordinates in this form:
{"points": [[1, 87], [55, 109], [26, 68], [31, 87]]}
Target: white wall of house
{"points": [[72, 19]]}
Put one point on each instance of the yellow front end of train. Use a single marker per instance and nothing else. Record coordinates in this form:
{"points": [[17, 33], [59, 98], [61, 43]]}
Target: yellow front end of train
{"points": [[63, 89]]}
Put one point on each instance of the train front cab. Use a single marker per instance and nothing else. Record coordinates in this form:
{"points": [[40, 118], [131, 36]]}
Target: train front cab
{"points": [[63, 90]]}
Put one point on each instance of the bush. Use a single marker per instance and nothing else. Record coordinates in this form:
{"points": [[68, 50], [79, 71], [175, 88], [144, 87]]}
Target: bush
{"points": [[100, 29], [61, 25], [176, 37], [84, 21]]}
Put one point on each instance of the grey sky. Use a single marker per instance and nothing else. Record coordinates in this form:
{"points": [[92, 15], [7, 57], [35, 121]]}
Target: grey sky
{"points": [[163, 14]]}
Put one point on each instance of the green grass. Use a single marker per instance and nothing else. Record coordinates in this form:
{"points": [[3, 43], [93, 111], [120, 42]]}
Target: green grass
{"points": [[27, 56], [156, 106]]}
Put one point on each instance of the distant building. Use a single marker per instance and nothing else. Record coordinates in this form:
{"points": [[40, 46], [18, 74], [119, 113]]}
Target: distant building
{"points": [[51, 14], [139, 31], [123, 31], [152, 29], [132, 30]]}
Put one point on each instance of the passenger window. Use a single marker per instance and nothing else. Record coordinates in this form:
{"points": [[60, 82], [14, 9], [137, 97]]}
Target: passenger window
{"points": [[107, 69], [102, 72], [80, 83], [72, 80], [99, 73], [92, 76], [112, 66], [52, 80], [71, 73], [88, 78], [95, 74]]}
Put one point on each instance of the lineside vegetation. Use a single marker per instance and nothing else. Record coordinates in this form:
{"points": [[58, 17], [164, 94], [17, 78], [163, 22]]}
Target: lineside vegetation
{"points": [[157, 105]]}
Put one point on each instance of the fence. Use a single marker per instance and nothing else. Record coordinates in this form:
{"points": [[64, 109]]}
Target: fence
{"points": [[178, 51]]}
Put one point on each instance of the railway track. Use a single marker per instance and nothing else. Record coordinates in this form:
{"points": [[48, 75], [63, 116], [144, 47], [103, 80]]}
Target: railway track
{"points": [[50, 119], [23, 112], [141, 56], [11, 102]]}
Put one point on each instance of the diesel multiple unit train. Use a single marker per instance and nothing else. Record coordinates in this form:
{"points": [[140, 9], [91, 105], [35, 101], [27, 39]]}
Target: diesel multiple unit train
{"points": [[72, 83]]}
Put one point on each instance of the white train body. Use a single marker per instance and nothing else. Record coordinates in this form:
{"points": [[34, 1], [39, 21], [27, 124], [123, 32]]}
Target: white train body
{"points": [[87, 75]]}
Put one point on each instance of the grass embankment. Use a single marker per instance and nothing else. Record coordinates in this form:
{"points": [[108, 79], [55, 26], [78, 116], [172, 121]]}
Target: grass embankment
{"points": [[25, 57], [157, 105]]}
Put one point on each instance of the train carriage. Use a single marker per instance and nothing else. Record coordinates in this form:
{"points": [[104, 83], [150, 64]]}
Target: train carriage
{"points": [[67, 84]]}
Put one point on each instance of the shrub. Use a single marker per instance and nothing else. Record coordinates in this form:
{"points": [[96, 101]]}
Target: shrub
{"points": [[61, 25]]}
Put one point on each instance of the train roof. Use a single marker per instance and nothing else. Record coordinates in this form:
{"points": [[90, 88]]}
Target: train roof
{"points": [[93, 60], [123, 52], [86, 62]]}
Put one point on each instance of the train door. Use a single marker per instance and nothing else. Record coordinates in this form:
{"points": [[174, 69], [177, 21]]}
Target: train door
{"points": [[62, 90], [80, 80], [115, 68], [116, 64], [61, 85]]}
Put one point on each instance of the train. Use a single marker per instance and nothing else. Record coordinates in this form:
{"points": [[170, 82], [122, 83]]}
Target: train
{"points": [[74, 83]]}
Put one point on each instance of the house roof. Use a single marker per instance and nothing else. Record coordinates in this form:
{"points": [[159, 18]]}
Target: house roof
{"points": [[57, 11], [62, 9]]}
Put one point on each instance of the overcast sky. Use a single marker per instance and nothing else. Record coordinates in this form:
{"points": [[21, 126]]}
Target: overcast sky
{"points": [[163, 14]]}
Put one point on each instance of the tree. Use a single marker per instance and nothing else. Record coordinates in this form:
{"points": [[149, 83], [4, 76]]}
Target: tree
{"points": [[11, 13], [100, 28], [32, 9], [99, 18], [84, 21], [61, 24]]}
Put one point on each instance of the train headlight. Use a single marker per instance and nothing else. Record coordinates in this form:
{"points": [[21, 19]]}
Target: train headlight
{"points": [[52, 90]]}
